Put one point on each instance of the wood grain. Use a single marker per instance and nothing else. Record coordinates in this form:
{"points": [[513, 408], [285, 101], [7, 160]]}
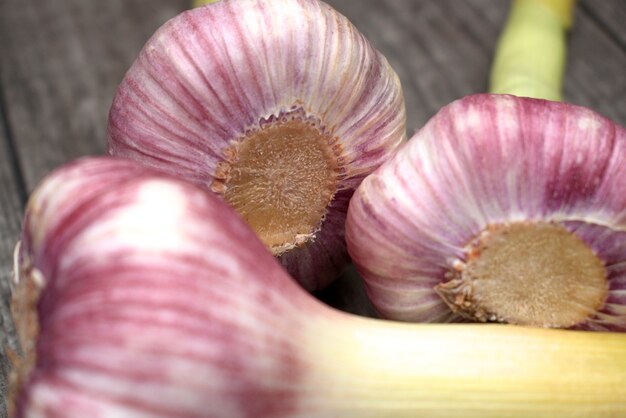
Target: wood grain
{"points": [[66, 58], [11, 202], [609, 16], [595, 74]]}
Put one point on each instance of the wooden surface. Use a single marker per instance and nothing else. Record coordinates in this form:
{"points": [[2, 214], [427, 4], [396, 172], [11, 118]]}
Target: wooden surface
{"points": [[61, 60]]}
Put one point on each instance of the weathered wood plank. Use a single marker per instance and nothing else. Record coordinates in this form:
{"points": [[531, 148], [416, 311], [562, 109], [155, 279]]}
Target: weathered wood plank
{"points": [[595, 75], [609, 16], [61, 62], [11, 201]]}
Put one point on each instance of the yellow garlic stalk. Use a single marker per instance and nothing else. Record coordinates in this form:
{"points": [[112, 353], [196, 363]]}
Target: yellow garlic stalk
{"points": [[198, 3], [531, 51]]}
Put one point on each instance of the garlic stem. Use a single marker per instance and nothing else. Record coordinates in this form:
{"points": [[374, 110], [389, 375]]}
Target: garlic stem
{"points": [[530, 56], [370, 368], [198, 3]]}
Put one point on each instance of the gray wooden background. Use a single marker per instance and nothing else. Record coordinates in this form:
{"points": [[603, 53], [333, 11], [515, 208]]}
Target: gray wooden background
{"points": [[60, 61]]}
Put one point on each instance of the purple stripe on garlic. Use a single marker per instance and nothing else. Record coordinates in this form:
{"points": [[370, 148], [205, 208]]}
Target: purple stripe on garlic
{"points": [[487, 165], [214, 77]]}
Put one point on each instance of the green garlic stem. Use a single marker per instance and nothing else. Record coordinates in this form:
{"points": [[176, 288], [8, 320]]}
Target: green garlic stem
{"points": [[530, 56], [198, 3]]}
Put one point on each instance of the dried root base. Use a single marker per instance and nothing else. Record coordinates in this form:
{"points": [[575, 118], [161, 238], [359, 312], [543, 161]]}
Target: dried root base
{"points": [[458, 295], [24, 311], [527, 273]]}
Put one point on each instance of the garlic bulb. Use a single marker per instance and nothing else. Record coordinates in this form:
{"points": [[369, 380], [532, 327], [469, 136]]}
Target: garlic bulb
{"points": [[500, 209], [281, 107], [129, 325], [150, 298]]}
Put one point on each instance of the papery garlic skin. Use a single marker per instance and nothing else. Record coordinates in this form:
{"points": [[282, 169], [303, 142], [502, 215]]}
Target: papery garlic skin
{"points": [[156, 300], [128, 320], [212, 75], [489, 160]]}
